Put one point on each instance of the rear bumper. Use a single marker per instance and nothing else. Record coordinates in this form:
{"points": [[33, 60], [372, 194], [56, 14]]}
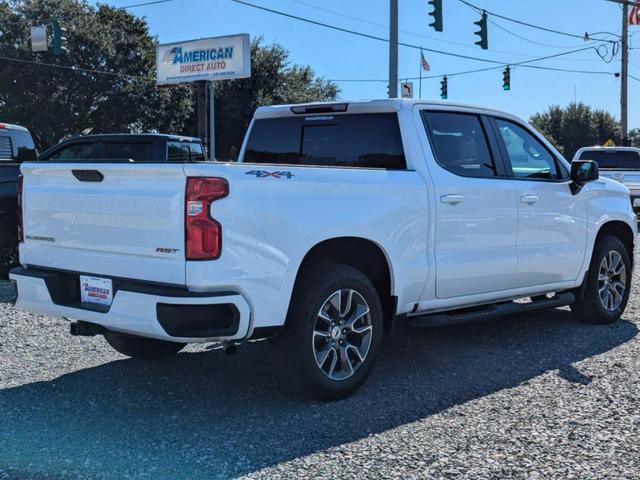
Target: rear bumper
{"points": [[144, 309]]}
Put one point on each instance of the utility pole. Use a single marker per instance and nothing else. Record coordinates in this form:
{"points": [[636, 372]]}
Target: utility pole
{"points": [[624, 126], [393, 48], [212, 121]]}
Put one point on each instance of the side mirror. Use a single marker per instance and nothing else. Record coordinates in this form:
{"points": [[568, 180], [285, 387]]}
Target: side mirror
{"points": [[584, 171]]}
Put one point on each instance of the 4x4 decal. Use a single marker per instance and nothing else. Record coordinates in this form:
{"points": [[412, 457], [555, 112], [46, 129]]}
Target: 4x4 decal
{"points": [[266, 173]]}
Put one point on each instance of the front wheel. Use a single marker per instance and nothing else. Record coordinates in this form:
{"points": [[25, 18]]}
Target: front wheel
{"points": [[142, 348], [332, 333], [608, 283]]}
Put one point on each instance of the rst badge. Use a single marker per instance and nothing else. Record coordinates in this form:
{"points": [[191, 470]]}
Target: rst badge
{"points": [[266, 173]]}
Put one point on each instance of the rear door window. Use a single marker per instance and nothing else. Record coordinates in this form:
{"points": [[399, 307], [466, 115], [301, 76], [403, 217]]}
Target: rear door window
{"points": [[346, 140], [136, 151], [460, 144], [23, 146], [79, 151], [196, 152], [622, 159], [178, 152]]}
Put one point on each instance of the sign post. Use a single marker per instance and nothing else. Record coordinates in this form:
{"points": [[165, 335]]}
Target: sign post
{"points": [[204, 60]]}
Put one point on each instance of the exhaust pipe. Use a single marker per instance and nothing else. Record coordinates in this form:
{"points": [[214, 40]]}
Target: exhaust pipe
{"points": [[86, 329], [229, 348]]}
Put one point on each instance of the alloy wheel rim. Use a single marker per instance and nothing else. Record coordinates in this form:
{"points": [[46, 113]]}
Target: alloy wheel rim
{"points": [[342, 334], [612, 280]]}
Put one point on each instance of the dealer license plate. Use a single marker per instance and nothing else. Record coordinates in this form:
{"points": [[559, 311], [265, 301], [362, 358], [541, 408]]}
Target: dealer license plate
{"points": [[96, 290]]}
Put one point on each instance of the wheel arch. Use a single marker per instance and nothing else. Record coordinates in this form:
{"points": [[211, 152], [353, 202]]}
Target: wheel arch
{"points": [[621, 230], [363, 254]]}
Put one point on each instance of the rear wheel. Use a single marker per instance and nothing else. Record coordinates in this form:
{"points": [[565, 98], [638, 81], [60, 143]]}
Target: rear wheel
{"points": [[143, 348], [608, 283], [332, 335], [8, 260]]}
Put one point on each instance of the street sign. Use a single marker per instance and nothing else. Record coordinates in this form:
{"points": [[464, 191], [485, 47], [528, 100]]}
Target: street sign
{"points": [[609, 143], [407, 89], [39, 38], [216, 58]]}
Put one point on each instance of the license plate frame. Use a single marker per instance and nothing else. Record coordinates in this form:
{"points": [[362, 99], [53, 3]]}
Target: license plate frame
{"points": [[96, 290]]}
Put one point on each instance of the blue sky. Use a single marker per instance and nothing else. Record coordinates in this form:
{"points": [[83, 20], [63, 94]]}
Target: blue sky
{"points": [[338, 56]]}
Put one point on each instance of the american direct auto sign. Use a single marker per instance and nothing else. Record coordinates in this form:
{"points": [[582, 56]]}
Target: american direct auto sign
{"points": [[218, 58]]}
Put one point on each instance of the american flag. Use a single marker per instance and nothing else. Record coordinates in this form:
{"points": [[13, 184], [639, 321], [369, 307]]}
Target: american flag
{"points": [[423, 61], [634, 14]]}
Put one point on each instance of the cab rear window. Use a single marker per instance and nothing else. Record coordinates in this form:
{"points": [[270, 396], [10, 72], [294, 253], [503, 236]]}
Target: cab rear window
{"points": [[357, 140], [621, 159]]}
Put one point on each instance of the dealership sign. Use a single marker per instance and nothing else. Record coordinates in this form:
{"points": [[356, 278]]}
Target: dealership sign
{"points": [[218, 58]]}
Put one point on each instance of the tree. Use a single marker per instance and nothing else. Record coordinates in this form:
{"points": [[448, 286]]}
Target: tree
{"points": [[576, 126], [74, 95], [274, 80], [634, 137], [54, 102]]}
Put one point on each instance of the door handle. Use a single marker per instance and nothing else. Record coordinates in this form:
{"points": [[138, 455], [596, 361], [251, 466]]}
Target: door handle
{"points": [[452, 199], [88, 175], [529, 199]]}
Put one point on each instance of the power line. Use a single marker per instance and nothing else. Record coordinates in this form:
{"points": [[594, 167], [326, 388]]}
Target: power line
{"points": [[568, 70], [360, 34], [527, 24], [497, 25], [404, 44], [154, 2], [415, 34], [73, 68], [467, 72], [521, 37]]}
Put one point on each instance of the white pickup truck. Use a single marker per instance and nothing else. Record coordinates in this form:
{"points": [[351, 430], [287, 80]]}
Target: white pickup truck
{"points": [[338, 220]]}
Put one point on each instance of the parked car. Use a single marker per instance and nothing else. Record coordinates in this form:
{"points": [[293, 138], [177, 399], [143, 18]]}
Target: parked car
{"points": [[619, 163], [16, 146], [145, 147], [339, 220]]}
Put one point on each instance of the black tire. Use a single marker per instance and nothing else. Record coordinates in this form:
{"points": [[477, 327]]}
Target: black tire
{"points": [[591, 308], [296, 348], [8, 260], [142, 348]]}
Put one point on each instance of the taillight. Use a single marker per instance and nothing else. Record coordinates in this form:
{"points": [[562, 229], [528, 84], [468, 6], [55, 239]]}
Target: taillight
{"points": [[203, 235], [20, 225]]}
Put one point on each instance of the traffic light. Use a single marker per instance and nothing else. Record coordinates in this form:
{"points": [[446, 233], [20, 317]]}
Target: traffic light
{"points": [[444, 88], [506, 79], [59, 42], [436, 14], [482, 33]]}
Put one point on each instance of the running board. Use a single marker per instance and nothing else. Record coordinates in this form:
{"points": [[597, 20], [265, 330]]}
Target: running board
{"points": [[491, 311]]}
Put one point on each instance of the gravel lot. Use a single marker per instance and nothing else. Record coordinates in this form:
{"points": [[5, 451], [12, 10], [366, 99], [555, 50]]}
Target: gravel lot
{"points": [[521, 397]]}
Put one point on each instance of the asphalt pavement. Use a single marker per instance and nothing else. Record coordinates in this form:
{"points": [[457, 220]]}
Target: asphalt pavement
{"points": [[538, 396]]}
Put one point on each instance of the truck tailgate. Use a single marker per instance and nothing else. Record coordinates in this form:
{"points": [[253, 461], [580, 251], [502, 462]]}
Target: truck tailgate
{"points": [[630, 178], [128, 224]]}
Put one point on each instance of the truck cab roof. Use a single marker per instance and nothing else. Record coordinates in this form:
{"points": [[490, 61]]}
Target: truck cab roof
{"points": [[143, 147], [364, 106], [9, 126], [117, 137]]}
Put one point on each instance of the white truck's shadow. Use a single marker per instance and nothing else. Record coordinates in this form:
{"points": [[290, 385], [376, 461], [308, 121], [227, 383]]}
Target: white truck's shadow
{"points": [[206, 415]]}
